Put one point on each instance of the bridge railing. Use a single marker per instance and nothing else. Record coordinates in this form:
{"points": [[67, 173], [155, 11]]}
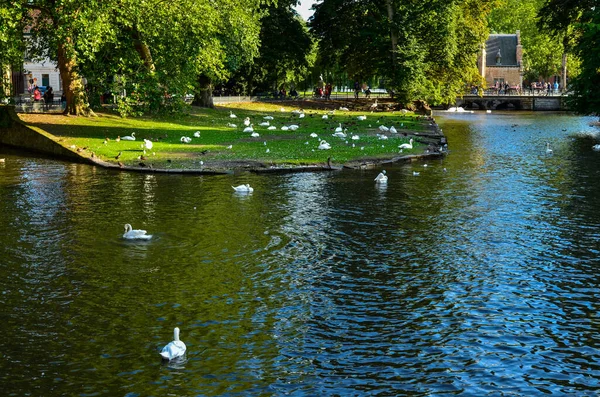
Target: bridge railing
{"points": [[515, 92]]}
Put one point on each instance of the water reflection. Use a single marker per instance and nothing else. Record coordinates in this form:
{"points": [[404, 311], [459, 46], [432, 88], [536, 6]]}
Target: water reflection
{"points": [[476, 277]]}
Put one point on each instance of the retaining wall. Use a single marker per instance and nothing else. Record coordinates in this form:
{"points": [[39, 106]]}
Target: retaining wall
{"points": [[13, 132]]}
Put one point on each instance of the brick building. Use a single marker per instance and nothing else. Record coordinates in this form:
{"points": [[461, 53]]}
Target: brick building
{"points": [[501, 60]]}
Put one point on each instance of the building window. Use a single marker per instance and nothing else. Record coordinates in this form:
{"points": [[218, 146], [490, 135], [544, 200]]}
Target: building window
{"points": [[45, 80]]}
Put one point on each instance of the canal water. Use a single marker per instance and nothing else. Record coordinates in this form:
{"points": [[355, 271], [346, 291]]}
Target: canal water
{"points": [[479, 276]]}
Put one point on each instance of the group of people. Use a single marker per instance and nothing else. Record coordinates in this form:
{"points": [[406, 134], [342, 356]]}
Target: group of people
{"points": [[548, 87]]}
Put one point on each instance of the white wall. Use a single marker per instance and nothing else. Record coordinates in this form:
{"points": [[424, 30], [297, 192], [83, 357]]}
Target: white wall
{"points": [[36, 69]]}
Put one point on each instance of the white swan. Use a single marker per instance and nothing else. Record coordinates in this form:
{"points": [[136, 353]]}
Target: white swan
{"points": [[382, 177], [374, 105], [231, 125], [173, 349], [548, 148], [393, 130], [293, 127], [231, 115], [243, 188], [362, 118], [383, 137], [247, 121], [339, 128], [339, 134], [355, 137], [324, 145], [249, 128], [186, 139], [325, 117], [268, 118], [129, 137], [314, 135], [284, 128], [383, 128], [301, 116], [265, 124], [272, 127], [197, 134], [407, 145], [254, 135], [147, 144], [344, 109], [135, 234]]}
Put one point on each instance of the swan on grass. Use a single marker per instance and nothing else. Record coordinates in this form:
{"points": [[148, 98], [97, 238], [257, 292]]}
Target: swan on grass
{"points": [[254, 135], [231, 115], [129, 137], [381, 178], [339, 134], [339, 128], [265, 124], [247, 121], [197, 134], [268, 118], [293, 127], [407, 145], [243, 188], [324, 145], [314, 135], [173, 349], [231, 125], [147, 145], [249, 128], [393, 130], [272, 127], [186, 139], [325, 117], [362, 118], [383, 128], [135, 234]]}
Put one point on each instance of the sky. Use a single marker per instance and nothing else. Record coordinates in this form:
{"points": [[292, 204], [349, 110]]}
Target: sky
{"points": [[304, 8]]}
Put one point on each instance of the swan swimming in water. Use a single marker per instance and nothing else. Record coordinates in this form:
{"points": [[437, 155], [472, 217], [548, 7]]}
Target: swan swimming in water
{"points": [[548, 148], [407, 145], [129, 137], [382, 177], [173, 349], [243, 188], [135, 234]]}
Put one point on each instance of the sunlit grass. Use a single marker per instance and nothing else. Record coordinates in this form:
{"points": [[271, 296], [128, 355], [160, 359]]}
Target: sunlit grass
{"points": [[277, 147]]}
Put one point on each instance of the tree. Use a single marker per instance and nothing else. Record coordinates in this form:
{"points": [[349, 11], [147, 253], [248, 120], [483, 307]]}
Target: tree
{"points": [[425, 51], [543, 53], [579, 20], [284, 52], [11, 47]]}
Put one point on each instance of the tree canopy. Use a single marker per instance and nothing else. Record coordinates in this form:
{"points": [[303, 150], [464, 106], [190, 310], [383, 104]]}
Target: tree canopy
{"points": [[578, 20]]}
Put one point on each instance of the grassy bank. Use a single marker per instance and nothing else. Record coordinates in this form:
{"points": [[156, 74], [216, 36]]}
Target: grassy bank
{"points": [[220, 145]]}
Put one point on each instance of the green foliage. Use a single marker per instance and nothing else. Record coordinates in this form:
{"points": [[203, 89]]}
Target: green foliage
{"points": [[437, 43], [579, 22]]}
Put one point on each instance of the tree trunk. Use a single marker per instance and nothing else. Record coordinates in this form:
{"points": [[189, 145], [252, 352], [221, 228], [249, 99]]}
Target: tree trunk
{"points": [[6, 81], [72, 83], [203, 97], [142, 49], [393, 36]]}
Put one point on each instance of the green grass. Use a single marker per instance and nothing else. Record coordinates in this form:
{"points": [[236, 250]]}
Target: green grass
{"points": [[285, 147]]}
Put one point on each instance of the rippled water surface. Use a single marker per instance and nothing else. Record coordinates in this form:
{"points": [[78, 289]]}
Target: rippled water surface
{"points": [[478, 280]]}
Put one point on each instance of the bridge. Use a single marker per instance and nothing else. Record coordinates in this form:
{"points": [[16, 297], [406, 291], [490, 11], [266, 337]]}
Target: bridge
{"points": [[513, 102]]}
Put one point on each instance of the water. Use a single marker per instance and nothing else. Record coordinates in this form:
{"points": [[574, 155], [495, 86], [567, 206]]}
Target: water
{"points": [[478, 280]]}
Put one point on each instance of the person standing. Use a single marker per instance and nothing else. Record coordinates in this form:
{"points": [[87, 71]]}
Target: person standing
{"points": [[328, 91], [37, 95], [356, 89]]}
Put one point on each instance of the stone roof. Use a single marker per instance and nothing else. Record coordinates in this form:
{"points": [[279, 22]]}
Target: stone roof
{"points": [[507, 44]]}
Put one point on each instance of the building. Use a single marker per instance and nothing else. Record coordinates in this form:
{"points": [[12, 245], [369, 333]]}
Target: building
{"points": [[501, 60]]}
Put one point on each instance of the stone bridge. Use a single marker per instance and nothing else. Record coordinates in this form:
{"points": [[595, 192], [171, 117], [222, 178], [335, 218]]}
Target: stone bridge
{"points": [[513, 102]]}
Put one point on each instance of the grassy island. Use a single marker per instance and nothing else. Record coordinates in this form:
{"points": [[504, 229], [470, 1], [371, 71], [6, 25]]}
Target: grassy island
{"points": [[216, 144]]}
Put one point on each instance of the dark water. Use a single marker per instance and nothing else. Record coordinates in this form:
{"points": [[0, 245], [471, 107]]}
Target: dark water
{"points": [[481, 280]]}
